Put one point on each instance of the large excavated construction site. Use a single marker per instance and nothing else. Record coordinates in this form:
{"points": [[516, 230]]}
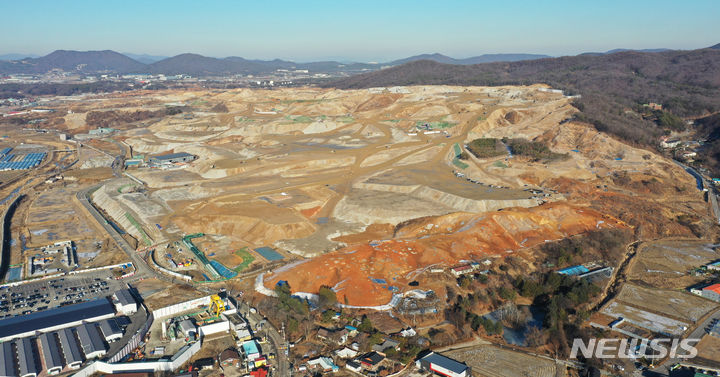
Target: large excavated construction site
{"points": [[369, 190]]}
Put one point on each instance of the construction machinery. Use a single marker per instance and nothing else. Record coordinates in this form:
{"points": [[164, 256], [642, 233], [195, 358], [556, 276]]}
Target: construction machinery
{"points": [[213, 311], [217, 305]]}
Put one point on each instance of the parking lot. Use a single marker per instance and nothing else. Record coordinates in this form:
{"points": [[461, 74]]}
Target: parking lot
{"points": [[51, 293]]}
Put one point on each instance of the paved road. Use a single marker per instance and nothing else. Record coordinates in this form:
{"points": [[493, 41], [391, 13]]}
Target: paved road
{"points": [[277, 341], [140, 265], [144, 270], [704, 183]]}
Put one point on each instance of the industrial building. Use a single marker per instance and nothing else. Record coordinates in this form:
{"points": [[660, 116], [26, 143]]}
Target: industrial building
{"points": [[110, 330], [188, 328], [443, 366], [70, 348], [51, 353], [47, 354], [27, 363], [711, 292], [172, 158], [55, 319], [90, 341], [124, 302], [7, 359], [574, 270]]}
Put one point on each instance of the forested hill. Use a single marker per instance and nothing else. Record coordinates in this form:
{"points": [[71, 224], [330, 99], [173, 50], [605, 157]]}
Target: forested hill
{"points": [[613, 86]]}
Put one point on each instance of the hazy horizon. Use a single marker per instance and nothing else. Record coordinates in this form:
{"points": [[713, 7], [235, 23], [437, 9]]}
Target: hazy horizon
{"points": [[369, 32], [338, 58]]}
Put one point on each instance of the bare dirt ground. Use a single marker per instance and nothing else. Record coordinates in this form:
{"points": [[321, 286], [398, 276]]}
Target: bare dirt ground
{"points": [[667, 264], [438, 241], [48, 212], [157, 294], [660, 311], [708, 351], [491, 361], [319, 172], [671, 303]]}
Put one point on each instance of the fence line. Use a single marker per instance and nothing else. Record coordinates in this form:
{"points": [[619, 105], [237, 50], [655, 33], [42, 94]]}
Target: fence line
{"points": [[135, 340]]}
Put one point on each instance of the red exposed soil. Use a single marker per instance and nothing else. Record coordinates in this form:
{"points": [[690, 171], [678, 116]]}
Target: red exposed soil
{"points": [[436, 241], [310, 212]]}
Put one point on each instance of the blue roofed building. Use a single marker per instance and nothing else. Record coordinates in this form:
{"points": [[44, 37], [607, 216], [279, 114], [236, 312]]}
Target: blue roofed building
{"points": [[574, 270], [70, 348], [55, 319], [90, 341], [51, 353], [26, 357], [251, 351], [110, 330], [7, 359]]}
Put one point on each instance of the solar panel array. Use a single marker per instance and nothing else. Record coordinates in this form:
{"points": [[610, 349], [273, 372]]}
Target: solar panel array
{"points": [[30, 160]]}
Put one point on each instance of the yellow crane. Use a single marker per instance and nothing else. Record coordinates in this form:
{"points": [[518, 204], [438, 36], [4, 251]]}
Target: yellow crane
{"points": [[217, 305]]}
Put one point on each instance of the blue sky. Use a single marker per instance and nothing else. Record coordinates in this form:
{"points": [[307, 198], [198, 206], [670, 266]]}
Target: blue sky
{"points": [[365, 30]]}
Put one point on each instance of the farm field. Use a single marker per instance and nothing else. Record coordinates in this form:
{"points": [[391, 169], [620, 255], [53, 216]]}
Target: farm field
{"points": [[493, 361]]}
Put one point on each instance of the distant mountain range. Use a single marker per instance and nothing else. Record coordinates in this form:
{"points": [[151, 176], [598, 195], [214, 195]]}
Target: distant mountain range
{"points": [[624, 50], [487, 58], [107, 61], [144, 58], [91, 62], [17, 56], [81, 61]]}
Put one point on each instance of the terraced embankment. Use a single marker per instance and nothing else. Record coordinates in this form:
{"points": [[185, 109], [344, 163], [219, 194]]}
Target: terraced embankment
{"points": [[122, 216]]}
